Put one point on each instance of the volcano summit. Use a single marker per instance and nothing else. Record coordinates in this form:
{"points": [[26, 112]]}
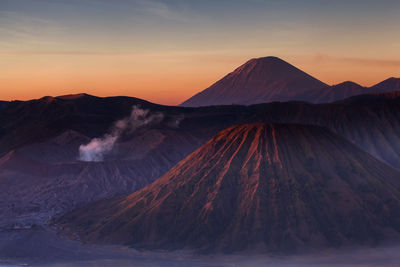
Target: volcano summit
{"points": [[259, 80]]}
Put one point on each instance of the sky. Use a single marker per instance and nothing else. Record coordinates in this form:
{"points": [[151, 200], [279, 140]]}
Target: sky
{"points": [[166, 51]]}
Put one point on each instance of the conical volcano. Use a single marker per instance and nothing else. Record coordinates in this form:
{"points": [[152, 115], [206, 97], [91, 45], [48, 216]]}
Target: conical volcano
{"points": [[259, 80], [276, 187]]}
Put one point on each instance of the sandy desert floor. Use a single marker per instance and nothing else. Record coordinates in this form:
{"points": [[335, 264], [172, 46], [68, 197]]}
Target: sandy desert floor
{"points": [[42, 247]]}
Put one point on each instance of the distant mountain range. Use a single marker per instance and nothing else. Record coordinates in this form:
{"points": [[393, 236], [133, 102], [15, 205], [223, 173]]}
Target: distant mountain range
{"points": [[269, 79], [279, 187]]}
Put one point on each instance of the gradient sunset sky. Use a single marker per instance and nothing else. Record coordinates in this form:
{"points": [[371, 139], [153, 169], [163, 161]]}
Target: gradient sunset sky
{"points": [[166, 51]]}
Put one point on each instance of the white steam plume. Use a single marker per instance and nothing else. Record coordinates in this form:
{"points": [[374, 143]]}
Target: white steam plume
{"points": [[97, 148]]}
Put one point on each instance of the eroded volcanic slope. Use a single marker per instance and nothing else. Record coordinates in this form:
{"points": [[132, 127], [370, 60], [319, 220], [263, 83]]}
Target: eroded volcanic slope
{"points": [[278, 187]]}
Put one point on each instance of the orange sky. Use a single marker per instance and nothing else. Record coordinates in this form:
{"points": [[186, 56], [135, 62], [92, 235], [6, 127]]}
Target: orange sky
{"points": [[161, 79], [166, 51]]}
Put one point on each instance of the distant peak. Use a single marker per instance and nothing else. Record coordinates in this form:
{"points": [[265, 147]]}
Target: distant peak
{"points": [[270, 58], [259, 80], [390, 84], [268, 65], [266, 60], [73, 96], [392, 79], [47, 99], [348, 83]]}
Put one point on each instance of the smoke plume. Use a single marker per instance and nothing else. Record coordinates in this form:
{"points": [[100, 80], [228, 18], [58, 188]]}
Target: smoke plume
{"points": [[97, 148]]}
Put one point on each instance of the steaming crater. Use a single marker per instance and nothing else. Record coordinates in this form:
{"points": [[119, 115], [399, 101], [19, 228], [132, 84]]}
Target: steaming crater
{"points": [[98, 148]]}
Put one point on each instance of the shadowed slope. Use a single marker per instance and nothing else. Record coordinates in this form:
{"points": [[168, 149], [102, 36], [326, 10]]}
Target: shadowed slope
{"points": [[26, 122], [337, 92], [3, 104], [259, 80], [349, 89], [278, 186], [388, 85]]}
